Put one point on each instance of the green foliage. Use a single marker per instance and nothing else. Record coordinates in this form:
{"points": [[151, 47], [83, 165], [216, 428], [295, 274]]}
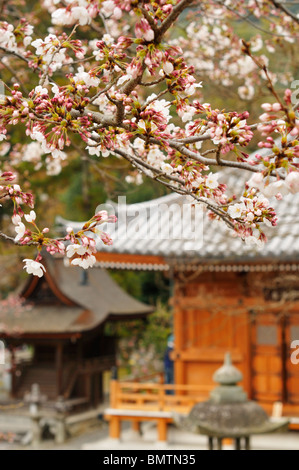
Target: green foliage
{"points": [[158, 329], [146, 286], [142, 344]]}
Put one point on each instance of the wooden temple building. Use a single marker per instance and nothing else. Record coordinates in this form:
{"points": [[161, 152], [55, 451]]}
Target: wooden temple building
{"points": [[227, 296], [64, 324]]}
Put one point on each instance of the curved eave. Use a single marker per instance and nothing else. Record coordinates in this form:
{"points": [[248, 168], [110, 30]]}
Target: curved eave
{"points": [[124, 317]]}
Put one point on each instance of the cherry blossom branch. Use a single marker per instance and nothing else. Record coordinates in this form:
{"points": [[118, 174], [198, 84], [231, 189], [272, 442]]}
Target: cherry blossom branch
{"points": [[281, 7], [150, 19], [162, 93], [145, 130], [12, 240], [15, 53], [222, 215], [56, 51], [132, 84], [16, 77], [252, 23], [98, 169], [104, 23], [177, 10], [154, 82], [143, 166], [211, 162], [120, 110], [193, 139], [104, 91]]}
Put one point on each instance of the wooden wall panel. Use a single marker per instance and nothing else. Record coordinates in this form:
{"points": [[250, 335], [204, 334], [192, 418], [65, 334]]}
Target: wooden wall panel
{"points": [[213, 322], [242, 313]]}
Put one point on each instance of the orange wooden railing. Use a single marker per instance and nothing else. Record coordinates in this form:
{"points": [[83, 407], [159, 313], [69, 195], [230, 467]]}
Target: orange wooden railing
{"points": [[155, 377], [153, 396]]}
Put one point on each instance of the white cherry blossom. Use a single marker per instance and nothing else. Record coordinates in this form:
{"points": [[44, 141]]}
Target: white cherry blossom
{"points": [[16, 219], [212, 181], [252, 240], [34, 267], [77, 249], [90, 81], [86, 262], [292, 182], [30, 217], [236, 210], [20, 229], [168, 67]]}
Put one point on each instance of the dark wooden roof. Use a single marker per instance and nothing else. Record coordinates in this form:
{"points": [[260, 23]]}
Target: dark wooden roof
{"points": [[70, 300]]}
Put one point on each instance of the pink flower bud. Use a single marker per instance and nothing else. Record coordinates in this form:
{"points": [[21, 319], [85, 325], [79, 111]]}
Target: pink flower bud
{"points": [[267, 107], [276, 107]]}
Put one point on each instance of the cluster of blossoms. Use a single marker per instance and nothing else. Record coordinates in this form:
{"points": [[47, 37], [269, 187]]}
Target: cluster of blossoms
{"points": [[14, 192], [279, 117], [229, 129], [52, 129], [207, 185], [277, 188], [15, 38], [78, 11], [248, 214], [53, 52], [83, 246], [215, 46], [110, 54]]}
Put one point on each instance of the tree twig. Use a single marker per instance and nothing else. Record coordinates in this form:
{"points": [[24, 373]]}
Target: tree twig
{"points": [[281, 7]]}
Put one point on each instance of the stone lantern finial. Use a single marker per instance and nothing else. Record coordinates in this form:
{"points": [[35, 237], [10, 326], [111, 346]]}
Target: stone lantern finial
{"points": [[228, 376]]}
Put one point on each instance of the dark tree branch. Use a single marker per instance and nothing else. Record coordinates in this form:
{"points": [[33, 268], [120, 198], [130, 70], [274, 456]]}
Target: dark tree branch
{"points": [[281, 7], [12, 240], [148, 170], [149, 19], [177, 10]]}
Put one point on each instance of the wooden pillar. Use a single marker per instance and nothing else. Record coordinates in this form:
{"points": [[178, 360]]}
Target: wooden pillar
{"points": [[219, 443], [162, 430], [237, 443], [114, 427], [95, 388], [114, 388], [13, 371], [80, 352], [136, 426], [251, 346], [59, 368], [100, 385], [87, 385]]}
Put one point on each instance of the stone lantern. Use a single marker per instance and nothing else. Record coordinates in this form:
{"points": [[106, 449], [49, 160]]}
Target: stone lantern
{"points": [[228, 413], [35, 399]]}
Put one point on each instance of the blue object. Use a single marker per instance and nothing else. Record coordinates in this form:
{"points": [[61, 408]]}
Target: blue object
{"points": [[170, 341], [168, 364]]}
